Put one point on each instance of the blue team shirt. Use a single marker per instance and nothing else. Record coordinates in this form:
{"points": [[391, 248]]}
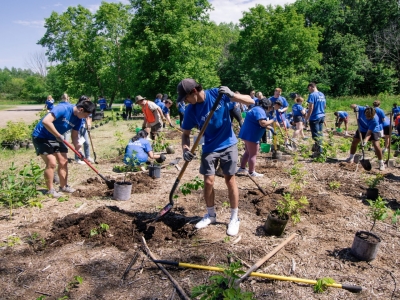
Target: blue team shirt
{"points": [[251, 130], [383, 120], [396, 110], [365, 124], [181, 107], [65, 120], [157, 101], [103, 103], [342, 114], [297, 109], [49, 104], [319, 102], [219, 133], [137, 152], [284, 104], [165, 110], [128, 103]]}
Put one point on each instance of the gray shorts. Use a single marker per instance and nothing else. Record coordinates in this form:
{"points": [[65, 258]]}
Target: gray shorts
{"points": [[227, 158], [156, 128]]}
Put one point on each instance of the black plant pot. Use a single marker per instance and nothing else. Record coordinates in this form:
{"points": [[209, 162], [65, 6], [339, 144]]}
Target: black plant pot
{"points": [[372, 193], [365, 245], [275, 225]]}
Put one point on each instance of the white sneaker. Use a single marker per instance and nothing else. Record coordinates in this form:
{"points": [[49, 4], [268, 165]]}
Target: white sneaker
{"points": [[53, 193], [67, 189], [349, 160], [207, 220], [255, 174], [89, 159], [233, 227], [381, 166], [242, 171], [81, 162]]}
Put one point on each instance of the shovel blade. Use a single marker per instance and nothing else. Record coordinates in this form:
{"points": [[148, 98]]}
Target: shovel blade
{"points": [[366, 164], [110, 184], [163, 212]]}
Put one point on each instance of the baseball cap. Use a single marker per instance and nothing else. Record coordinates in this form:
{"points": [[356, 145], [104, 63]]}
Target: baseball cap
{"points": [[138, 98], [185, 87]]}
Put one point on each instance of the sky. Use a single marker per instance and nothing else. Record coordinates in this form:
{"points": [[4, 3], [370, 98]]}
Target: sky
{"points": [[22, 22]]}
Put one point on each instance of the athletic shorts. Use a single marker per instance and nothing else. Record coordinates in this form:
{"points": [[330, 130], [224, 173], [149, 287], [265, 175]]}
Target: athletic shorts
{"points": [[297, 119], [227, 158], [128, 109], [345, 120], [45, 146], [375, 136], [156, 128], [386, 130]]}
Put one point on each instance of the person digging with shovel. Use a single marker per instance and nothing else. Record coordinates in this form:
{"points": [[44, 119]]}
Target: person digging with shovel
{"points": [[48, 140], [220, 143], [368, 124]]}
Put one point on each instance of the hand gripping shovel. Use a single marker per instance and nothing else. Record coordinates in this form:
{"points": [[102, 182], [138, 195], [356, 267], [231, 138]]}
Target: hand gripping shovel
{"points": [[366, 164], [169, 206], [110, 183]]}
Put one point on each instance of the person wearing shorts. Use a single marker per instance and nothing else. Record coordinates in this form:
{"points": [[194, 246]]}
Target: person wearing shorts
{"points": [[48, 140], [368, 124], [342, 117], [384, 122], [128, 107], [219, 143], [298, 117], [153, 116]]}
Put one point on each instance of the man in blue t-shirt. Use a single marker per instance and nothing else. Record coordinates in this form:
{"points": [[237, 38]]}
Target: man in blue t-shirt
{"points": [[316, 114], [395, 111], [166, 110], [102, 103], [48, 140], [219, 143], [384, 122], [128, 103], [368, 126]]}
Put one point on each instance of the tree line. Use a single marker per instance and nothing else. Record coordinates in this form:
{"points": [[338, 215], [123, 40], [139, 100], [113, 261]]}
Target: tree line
{"points": [[348, 47]]}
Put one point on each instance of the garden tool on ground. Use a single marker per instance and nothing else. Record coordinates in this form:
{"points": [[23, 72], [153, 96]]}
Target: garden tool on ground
{"points": [[259, 187], [169, 206], [350, 288], [366, 164], [175, 163], [390, 139], [110, 183], [91, 143]]}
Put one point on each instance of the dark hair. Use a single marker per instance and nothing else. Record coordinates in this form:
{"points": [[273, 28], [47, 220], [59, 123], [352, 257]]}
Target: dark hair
{"points": [[265, 103], [294, 95], [142, 134], [83, 98], [335, 113], [312, 84], [88, 106]]}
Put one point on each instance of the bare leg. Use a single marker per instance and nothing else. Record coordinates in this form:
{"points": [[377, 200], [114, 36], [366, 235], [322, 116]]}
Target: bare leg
{"points": [[354, 144], [233, 191], [51, 163], [209, 190], [378, 150], [62, 160]]}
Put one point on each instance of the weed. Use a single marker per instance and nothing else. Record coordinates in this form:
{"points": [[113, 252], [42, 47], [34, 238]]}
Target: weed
{"points": [[222, 286], [11, 241], [159, 143], [322, 283], [63, 199], [104, 226], [291, 207], [334, 185], [227, 239], [73, 284], [225, 204], [188, 187], [93, 232]]}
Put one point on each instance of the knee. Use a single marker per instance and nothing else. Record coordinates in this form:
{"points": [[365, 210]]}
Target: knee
{"points": [[51, 165], [209, 181]]}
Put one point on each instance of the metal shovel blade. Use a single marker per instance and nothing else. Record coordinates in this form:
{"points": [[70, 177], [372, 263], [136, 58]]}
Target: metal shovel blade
{"points": [[366, 164]]}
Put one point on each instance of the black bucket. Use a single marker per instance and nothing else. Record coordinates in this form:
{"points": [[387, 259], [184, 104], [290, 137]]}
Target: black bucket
{"points": [[365, 245], [154, 171], [275, 225], [372, 193]]}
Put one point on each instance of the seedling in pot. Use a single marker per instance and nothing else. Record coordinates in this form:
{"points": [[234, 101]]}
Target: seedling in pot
{"points": [[291, 207], [377, 211], [373, 181]]}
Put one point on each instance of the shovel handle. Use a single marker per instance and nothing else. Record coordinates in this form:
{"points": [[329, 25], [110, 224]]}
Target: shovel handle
{"points": [[84, 159], [352, 288]]}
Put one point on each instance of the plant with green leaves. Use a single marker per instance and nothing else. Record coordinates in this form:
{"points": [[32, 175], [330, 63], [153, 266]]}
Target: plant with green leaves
{"points": [[194, 184], [223, 286], [14, 132], [11, 241], [291, 207], [373, 181], [334, 185], [159, 143], [322, 284], [377, 211], [103, 227], [121, 142], [74, 283]]}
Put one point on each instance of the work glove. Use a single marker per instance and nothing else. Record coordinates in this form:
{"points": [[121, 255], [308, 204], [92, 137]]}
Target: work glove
{"points": [[225, 90], [161, 159], [81, 156], [188, 156], [280, 110], [60, 139], [363, 144], [172, 126], [337, 124]]}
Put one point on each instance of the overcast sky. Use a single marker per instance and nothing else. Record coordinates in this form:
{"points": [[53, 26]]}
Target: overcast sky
{"points": [[21, 22]]}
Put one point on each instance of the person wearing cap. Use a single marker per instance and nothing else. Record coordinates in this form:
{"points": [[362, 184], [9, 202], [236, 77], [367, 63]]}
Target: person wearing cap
{"points": [[298, 114], [368, 124], [316, 114], [152, 116], [253, 128], [342, 117], [384, 122], [219, 143]]}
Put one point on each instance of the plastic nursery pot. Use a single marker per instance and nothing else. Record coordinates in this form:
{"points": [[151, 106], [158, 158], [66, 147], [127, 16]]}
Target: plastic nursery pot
{"points": [[265, 148], [275, 225], [365, 245], [170, 150], [122, 190], [277, 155], [154, 171], [372, 193], [137, 129]]}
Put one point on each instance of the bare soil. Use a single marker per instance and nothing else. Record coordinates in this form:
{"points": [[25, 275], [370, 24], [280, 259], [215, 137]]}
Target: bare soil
{"points": [[58, 241]]}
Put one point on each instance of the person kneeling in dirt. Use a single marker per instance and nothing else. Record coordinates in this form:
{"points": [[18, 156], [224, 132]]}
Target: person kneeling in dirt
{"points": [[220, 143], [342, 117], [368, 124], [48, 140], [139, 150]]}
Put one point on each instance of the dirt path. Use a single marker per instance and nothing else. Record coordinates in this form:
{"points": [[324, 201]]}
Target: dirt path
{"points": [[25, 113]]}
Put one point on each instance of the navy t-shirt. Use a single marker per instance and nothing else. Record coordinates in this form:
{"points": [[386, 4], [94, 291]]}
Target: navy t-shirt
{"points": [[219, 133], [128, 103], [65, 120], [319, 102]]}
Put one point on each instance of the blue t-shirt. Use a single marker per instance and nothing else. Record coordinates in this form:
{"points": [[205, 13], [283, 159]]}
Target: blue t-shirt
{"points": [[255, 103], [181, 107], [65, 120], [396, 110], [128, 103], [284, 104], [219, 133], [137, 152], [161, 105], [157, 101], [297, 109], [251, 130], [165, 110], [342, 114], [383, 120], [365, 124], [319, 102], [49, 104], [103, 103]]}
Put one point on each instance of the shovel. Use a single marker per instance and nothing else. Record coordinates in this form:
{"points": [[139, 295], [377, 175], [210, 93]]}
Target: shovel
{"points": [[366, 164], [91, 143], [390, 139], [110, 183], [169, 206], [350, 288]]}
